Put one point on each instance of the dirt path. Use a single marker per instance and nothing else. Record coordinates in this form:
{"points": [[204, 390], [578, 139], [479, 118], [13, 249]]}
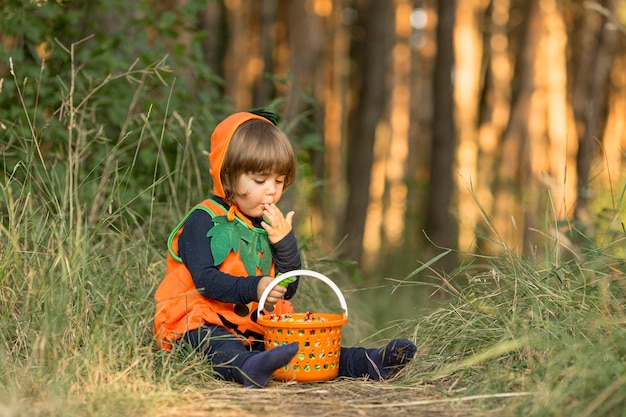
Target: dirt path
{"points": [[330, 399]]}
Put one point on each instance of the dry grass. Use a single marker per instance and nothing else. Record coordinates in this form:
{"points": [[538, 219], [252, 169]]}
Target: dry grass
{"points": [[341, 397]]}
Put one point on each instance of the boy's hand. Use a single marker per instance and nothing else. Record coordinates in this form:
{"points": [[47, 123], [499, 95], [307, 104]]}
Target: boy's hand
{"points": [[275, 223], [274, 296]]}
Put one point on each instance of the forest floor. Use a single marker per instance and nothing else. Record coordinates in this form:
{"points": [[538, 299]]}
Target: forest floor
{"points": [[337, 398]]}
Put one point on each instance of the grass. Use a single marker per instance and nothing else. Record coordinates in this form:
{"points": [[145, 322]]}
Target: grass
{"points": [[551, 327], [81, 254], [79, 265]]}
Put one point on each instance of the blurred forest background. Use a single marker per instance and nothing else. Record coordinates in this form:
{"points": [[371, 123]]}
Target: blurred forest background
{"points": [[421, 125]]}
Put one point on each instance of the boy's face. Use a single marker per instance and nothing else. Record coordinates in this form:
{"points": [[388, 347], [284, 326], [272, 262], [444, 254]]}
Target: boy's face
{"points": [[255, 190]]}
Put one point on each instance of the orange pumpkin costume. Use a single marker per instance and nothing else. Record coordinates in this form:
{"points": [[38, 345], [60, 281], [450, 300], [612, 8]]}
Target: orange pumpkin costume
{"points": [[180, 305]]}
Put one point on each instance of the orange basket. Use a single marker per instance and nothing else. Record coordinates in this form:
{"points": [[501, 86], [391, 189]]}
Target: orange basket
{"points": [[319, 341]]}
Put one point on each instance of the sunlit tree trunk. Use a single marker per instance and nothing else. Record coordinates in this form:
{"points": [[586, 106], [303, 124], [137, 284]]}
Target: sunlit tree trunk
{"points": [[243, 60], [385, 225], [614, 140], [506, 222], [440, 225], [549, 187], [334, 89], [372, 47], [562, 137], [495, 108], [468, 42]]}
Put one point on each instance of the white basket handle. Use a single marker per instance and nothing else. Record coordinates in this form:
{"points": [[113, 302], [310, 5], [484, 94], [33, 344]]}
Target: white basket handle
{"points": [[300, 273]]}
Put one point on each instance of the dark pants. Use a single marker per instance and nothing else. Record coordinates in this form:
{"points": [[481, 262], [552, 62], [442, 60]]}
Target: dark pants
{"points": [[227, 354]]}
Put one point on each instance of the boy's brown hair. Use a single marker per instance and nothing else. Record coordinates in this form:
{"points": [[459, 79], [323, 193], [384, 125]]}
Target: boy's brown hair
{"points": [[257, 147]]}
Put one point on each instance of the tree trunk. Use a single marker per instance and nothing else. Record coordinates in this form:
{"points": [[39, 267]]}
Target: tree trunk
{"points": [[561, 157], [301, 117], [441, 226], [591, 98], [496, 107], [306, 38], [335, 89], [264, 86], [506, 223], [468, 41], [212, 21], [372, 49], [423, 40], [387, 230], [614, 140], [243, 60]]}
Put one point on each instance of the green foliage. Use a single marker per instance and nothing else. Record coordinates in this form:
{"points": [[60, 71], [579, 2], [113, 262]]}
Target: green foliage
{"points": [[237, 237], [107, 67]]}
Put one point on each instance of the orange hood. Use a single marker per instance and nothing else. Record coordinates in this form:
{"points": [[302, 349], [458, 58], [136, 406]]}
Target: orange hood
{"points": [[220, 139]]}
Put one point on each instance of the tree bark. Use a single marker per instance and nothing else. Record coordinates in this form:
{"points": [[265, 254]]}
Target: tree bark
{"points": [[591, 96], [243, 61], [495, 107], [423, 40], [441, 226], [372, 50], [506, 223], [212, 21], [301, 115], [329, 163], [468, 41], [264, 86], [614, 140]]}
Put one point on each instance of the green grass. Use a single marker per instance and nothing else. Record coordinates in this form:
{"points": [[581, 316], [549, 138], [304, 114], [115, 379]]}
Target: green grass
{"points": [[552, 328], [82, 227], [80, 257]]}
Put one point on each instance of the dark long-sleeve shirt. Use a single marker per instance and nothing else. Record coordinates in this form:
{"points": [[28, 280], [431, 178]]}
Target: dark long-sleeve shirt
{"points": [[195, 251]]}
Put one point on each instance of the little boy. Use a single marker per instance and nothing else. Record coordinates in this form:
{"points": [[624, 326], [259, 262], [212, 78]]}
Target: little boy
{"points": [[228, 248]]}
